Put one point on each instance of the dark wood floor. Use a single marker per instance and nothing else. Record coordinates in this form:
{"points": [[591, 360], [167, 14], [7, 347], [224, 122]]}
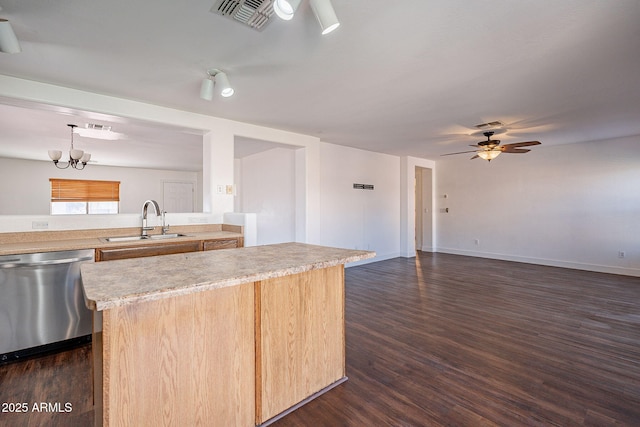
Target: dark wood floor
{"points": [[442, 340]]}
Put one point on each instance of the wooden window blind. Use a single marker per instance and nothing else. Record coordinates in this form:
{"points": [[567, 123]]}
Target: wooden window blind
{"points": [[80, 190]]}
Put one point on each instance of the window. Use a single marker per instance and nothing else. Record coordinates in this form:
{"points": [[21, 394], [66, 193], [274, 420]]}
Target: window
{"points": [[79, 196]]}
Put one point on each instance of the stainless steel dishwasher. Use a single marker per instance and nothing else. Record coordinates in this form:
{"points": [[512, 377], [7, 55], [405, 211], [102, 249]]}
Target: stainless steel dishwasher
{"points": [[41, 302]]}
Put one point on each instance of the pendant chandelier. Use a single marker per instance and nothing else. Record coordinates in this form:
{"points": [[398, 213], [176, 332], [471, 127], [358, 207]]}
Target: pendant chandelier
{"points": [[78, 159]]}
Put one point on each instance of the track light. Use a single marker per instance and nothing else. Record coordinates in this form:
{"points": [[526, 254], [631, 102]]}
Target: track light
{"points": [[215, 78], [325, 14], [8, 40], [206, 90], [285, 9]]}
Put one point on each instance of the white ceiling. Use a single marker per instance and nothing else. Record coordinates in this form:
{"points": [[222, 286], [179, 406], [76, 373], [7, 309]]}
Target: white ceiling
{"points": [[411, 77]]}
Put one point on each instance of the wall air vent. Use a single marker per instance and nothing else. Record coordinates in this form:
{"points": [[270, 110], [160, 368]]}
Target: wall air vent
{"points": [[363, 186], [494, 124], [252, 13]]}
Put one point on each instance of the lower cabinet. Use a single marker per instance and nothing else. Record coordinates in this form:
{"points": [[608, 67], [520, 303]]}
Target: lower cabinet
{"points": [[209, 245], [300, 342], [166, 248], [181, 361], [112, 254], [234, 356]]}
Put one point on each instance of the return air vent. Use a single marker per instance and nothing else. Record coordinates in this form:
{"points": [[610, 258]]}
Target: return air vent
{"points": [[363, 186], [252, 13]]}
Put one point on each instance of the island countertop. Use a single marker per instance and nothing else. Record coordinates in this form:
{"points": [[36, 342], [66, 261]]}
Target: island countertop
{"points": [[116, 283]]}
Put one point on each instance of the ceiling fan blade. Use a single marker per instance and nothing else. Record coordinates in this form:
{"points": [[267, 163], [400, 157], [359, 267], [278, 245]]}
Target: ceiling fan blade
{"points": [[461, 152], [522, 144], [515, 150], [475, 157]]}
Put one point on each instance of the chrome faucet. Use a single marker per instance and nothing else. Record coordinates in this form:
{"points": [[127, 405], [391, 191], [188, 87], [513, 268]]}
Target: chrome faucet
{"points": [[165, 227], [144, 215]]}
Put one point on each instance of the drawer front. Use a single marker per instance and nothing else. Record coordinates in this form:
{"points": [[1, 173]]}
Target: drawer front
{"points": [[209, 245], [111, 254]]}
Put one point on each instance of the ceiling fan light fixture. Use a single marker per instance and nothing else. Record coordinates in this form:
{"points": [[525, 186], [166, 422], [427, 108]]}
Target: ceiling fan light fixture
{"points": [[489, 154], [285, 9], [323, 9], [8, 40]]}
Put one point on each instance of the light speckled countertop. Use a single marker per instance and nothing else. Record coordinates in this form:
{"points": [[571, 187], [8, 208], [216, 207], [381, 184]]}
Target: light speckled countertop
{"points": [[116, 283], [90, 242]]}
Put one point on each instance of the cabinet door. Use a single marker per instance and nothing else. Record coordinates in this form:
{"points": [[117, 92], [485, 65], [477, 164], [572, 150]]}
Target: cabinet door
{"points": [[300, 347], [181, 361], [111, 254], [209, 245]]}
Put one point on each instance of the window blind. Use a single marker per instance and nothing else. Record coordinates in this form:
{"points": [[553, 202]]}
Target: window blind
{"points": [[80, 190]]}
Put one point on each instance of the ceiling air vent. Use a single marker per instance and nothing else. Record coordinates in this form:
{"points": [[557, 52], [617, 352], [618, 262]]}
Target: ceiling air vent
{"points": [[495, 124], [97, 127], [253, 13]]}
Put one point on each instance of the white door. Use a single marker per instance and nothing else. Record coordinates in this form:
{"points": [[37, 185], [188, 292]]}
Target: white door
{"points": [[178, 196]]}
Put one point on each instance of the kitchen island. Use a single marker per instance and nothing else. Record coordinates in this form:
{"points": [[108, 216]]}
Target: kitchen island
{"points": [[229, 337]]}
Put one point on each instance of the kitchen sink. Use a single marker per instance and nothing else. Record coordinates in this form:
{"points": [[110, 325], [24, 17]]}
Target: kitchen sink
{"points": [[165, 236], [152, 237], [125, 239]]}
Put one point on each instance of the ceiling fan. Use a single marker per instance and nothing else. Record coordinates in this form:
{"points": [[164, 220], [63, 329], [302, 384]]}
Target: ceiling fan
{"points": [[490, 149]]}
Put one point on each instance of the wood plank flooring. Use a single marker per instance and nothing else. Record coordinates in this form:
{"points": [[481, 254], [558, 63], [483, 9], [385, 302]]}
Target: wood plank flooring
{"points": [[440, 340], [445, 340]]}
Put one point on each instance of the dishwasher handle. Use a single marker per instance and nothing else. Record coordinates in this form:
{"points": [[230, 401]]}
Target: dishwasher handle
{"points": [[19, 263]]}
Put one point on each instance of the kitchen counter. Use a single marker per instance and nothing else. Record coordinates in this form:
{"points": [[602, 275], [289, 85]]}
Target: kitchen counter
{"points": [[135, 280], [49, 241], [234, 337]]}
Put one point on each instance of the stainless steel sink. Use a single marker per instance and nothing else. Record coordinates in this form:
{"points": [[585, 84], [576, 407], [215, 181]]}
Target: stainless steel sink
{"points": [[151, 237], [125, 239], [165, 236]]}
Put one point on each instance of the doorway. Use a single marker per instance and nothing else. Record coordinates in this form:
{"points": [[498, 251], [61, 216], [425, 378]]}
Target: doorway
{"points": [[423, 209]]}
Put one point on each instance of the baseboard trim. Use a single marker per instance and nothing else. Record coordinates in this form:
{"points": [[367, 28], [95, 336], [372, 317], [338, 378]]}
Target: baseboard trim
{"points": [[544, 261]]}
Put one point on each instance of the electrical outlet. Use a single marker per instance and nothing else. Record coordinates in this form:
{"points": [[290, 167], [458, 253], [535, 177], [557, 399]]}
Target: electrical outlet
{"points": [[220, 189], [476, 241], [621, 254], [39, 225]]}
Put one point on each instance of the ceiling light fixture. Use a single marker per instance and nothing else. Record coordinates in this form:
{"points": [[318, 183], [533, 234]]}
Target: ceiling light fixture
{"points": [[8, 40], [325, 14], [489, 154], [78, 159], [214, 78], [285, 9]]}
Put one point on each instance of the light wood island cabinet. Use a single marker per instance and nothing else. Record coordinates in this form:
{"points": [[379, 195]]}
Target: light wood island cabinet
{"points": [[300, 346], [233, 337]]}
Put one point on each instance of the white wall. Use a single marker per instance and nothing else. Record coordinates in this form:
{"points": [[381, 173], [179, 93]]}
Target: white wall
{"points": [[360, 219], [266, 186], [217, 143], [28, 191], [574, 205]]}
